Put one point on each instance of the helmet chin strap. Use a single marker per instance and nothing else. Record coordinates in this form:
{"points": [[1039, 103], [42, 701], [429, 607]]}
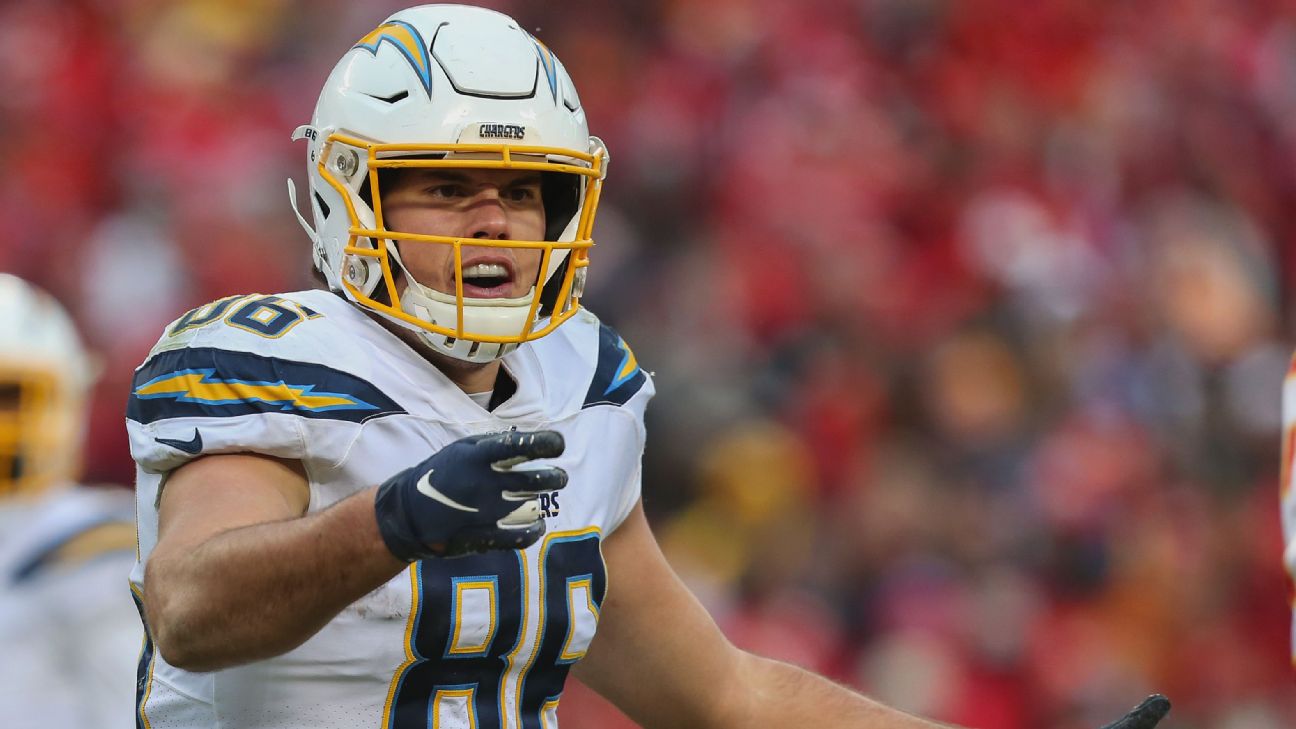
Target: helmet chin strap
{"points": [[493, 317]]}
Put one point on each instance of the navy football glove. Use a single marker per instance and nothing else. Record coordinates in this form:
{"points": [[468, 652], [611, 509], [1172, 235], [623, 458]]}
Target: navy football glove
{"points": [[467, 497], [1145, 715]]}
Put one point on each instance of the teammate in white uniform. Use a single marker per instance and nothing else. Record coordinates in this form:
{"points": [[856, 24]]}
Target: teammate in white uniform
{"points": [[408, 501], [69, 631]]}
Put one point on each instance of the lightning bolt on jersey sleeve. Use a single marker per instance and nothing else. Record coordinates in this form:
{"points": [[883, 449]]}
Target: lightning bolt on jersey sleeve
{"points": [[229, 377], [198, 400], [620, 383], [1288, 490]]}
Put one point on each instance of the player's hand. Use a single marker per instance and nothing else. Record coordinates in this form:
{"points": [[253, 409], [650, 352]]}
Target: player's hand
{"points": [[469, 497], [1145, 715]]}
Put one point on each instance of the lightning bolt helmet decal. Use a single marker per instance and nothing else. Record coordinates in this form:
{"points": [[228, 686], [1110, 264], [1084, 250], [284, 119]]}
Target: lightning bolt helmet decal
{"points": [[408, 41]]}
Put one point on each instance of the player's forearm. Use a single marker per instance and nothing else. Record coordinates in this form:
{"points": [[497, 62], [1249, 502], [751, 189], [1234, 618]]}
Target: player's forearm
{"points": [[772, 694], [261, 590]]}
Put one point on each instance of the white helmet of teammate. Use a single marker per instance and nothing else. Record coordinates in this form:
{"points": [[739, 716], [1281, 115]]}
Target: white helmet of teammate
{"points": [[44, 377], [450, 86]]}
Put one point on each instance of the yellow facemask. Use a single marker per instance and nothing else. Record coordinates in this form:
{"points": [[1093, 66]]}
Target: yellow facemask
{"points": [[340, 160], [40, 423]]}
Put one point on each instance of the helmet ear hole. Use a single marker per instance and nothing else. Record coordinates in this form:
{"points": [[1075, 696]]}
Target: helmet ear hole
{"points": [[320, 251], [323, 206]]}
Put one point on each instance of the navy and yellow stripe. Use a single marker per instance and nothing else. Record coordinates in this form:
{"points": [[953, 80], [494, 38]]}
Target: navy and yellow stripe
{"points": [[208, 382], [617, 377]]}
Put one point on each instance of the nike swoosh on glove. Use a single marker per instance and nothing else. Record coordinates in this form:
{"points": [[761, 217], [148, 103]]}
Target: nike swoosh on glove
{"points": [[1145, 715], [470, 496]]}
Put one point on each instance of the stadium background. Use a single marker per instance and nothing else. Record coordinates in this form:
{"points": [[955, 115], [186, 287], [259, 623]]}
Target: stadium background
{"points": [[968, 317]]}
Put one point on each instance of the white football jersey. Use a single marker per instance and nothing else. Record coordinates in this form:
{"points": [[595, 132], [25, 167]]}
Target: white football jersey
{"points": [[69, 629], [479, 641]]}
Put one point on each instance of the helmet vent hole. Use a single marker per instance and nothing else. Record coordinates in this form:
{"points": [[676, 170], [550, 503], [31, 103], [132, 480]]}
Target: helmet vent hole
{"points": [[323, 206], [472, 351]]}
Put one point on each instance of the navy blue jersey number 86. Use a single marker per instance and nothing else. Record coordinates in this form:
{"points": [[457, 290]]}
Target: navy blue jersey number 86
{"points": [[267, 316], [465, 646]]}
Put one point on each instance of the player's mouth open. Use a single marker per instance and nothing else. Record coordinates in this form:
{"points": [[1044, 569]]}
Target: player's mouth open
{"points": [[484, 280]]}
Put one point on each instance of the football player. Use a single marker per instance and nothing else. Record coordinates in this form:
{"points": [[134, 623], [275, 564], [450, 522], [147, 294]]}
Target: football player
{"points": [[410, 499], [69, 630]]}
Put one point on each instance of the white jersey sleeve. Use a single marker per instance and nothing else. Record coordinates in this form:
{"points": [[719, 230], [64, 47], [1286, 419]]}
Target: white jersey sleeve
{"points": [[599, 403], [620, 384], [244, 386]]}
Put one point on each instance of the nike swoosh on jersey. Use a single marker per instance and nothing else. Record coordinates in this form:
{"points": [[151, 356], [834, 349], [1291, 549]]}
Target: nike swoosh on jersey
{"points": [[426, 488], [192, 446]]}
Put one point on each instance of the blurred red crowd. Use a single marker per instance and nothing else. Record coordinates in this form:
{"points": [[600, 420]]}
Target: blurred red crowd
{"points": [[966, 317]]}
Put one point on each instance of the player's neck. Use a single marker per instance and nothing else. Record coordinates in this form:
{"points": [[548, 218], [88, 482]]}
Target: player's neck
{"points": [[471, 377]]}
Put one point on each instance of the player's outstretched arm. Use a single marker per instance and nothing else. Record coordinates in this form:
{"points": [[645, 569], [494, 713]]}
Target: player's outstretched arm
{"points": [[239, 572], [659, 657]]}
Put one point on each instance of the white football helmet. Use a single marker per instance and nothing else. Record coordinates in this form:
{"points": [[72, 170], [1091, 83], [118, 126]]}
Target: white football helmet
{"points": [[450, 86], [44, 377]]}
